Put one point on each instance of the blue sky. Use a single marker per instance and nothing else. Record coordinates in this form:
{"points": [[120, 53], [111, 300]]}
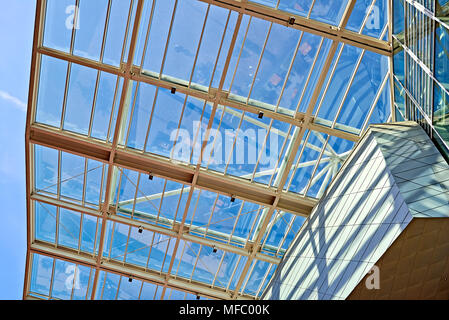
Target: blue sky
{"points": [[16, 37]]}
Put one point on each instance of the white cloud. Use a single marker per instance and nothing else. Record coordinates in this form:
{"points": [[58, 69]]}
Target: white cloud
{"points": [[17, 102]]}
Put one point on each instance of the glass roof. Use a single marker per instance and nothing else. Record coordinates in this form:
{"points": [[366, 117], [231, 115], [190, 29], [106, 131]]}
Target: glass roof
{"points": [[207, 89]]}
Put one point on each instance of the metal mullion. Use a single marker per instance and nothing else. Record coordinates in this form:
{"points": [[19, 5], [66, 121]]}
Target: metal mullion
{"points": [[75, 274], [118, 287], [126, 245], [331, 77], [103, 42], [240, 54], [50, 290], [289, 228], [248, 275], [279, 161], [259, 61], [328, 176], [312, 67], [92, 111], [178, 204], [119, 186], [316, 167], [114, 100], [198, 132], [196, 207], [236, 222], [105, 30], [161, 200], [230, 157], [145, 45], [57, 227], [75, 20], [134, 99], [64, 100], [149, 252], [135, 195], [180, 259], [219, 49], [111, 241], [156, 92], [348, 88], [88, 284], [233, 272], [140, 290], [211, 214], [296, 166], [264, 279], [195, 177], [376, 99], [83, 197], [168, 38], [179, 126], [196, 260], [199, 45], [95, 237], [292, 61], [165, 256], [81, 232], [102, 287], [261, 150], [128, 24], [215, 137], [218, 268]]}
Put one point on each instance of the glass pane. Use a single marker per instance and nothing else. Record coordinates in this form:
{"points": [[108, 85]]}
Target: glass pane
{"points": [[89, 35], [80, 97], [59, 22], [51, 91]]}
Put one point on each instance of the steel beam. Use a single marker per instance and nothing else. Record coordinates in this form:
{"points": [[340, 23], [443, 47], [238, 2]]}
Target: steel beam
{"points": [[173, 170], [204, 93], [187, 236]]}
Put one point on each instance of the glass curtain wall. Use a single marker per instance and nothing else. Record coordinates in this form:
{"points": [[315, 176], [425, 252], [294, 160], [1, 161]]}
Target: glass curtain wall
{"points": [[420, 65]]}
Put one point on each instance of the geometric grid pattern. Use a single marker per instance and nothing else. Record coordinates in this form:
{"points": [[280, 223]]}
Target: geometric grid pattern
{"points": [[420, 63], [135, 121]]}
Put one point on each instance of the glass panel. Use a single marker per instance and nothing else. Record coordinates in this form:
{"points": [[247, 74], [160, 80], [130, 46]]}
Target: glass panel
{"points": [[46, 169], [297, 79], [339, 82], [80, 98], [184, 38], [116, 31], [360, 97], [210, 45], [249, 57], [59, 22], [299, 7], [89, 35], [328, 11], [41, 273], [275, 63], [441, 113], [45, 221], [51, 91], [69, 228], [442, 55], [157, 39]]}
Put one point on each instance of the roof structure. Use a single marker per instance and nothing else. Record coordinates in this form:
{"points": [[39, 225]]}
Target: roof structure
{"points": [[174, 147]]}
